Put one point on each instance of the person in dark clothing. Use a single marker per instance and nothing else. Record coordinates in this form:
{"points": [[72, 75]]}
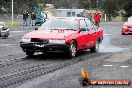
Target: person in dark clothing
{"points": [[80, 15], [33, 17], [25, 18]]}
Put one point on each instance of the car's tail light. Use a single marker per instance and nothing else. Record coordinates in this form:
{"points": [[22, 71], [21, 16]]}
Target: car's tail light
{"points": [[124, 27]]}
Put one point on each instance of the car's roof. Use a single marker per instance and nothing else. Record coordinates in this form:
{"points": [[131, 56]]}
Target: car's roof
{"points": [[129, 19], [76, 18]]}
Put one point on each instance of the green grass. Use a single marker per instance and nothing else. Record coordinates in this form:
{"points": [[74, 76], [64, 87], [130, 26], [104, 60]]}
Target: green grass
{"points": [[117, 19], [15, 23]]}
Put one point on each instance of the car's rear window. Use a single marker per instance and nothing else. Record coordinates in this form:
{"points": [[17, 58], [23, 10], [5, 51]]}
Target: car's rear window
{"points": [[60, 23], [129, 19]]}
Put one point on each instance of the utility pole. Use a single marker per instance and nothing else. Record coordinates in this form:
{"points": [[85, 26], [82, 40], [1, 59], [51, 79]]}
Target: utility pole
{"points": [[12, 13]]}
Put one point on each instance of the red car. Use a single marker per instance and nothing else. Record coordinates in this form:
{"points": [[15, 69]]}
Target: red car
{"points": [[127, 27], [68, 34]]}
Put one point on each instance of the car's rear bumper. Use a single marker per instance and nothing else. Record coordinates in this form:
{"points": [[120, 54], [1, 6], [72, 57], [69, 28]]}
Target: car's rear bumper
{"points": [[128, 31], [41, 47]]}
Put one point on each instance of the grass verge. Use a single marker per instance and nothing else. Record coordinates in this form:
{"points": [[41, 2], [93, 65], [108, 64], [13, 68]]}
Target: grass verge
{"points": [[15, 23]]}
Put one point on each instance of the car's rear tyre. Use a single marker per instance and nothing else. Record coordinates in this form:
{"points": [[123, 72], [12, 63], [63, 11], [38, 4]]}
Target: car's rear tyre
{"points": [[95, 48], [72, 49], [29, 54], [123, 33], [100, 39], [5, 36], [36, 23]]}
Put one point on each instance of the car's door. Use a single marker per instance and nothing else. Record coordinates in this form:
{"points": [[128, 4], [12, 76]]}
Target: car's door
{"points": [[92, 33], [85, 36], [95, 28], [99, 31]]}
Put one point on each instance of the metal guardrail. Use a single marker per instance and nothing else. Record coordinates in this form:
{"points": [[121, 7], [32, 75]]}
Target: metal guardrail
{"points": [[4, 17]]}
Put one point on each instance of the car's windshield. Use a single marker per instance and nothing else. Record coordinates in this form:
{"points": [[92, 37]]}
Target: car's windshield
{"points": [[53, 24], [129, 19]]}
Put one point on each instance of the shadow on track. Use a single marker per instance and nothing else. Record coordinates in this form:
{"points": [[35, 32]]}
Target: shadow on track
{"points": [[56, 56]]}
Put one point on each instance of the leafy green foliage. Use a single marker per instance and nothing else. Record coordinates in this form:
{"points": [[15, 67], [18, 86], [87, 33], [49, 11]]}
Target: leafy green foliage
{"points": [[110, 7], [19, 5], [128, 8], [114, 6]]}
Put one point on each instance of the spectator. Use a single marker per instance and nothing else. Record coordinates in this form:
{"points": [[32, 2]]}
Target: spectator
{"points": [[89, 15], [33, 17], [25, 18], [97, 17]]}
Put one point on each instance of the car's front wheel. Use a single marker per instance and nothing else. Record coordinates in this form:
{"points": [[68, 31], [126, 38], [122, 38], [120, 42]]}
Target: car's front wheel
{"points": [[30, 54], [72, 49], [95, 48]]}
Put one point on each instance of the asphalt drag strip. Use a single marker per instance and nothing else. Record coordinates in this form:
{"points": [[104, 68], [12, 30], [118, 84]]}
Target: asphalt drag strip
{"points": [[18, 75], [98, 68]]}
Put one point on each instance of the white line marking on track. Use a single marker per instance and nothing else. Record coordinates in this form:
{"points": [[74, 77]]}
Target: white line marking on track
{"points": [[108, 65], [124, 66]]}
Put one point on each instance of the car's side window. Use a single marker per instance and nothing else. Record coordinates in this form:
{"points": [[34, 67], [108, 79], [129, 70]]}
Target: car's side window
{"points": [[94, 27], [83, 25], [89, 25]]}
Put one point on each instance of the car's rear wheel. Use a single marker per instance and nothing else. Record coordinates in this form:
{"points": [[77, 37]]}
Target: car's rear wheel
{"points": [[100, 39], [5, 36], [30, 54], [123, 33], [72, 49], [95, 48]]}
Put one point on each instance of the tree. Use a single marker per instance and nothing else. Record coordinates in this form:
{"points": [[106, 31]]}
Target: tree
{"points": [[110, 7], [128, 8]]}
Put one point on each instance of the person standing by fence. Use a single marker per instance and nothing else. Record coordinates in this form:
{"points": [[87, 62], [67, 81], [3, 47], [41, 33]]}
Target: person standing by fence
{"points": [[25, 18], [88, 15], [97, 17], [33, 17]]}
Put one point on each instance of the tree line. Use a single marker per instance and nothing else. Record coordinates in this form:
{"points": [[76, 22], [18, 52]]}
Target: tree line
{"points": [[109, 7]]}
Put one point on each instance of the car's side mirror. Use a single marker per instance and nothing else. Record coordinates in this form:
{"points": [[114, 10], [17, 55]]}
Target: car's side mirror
{"points": [[36, 28], [82, 29]]}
